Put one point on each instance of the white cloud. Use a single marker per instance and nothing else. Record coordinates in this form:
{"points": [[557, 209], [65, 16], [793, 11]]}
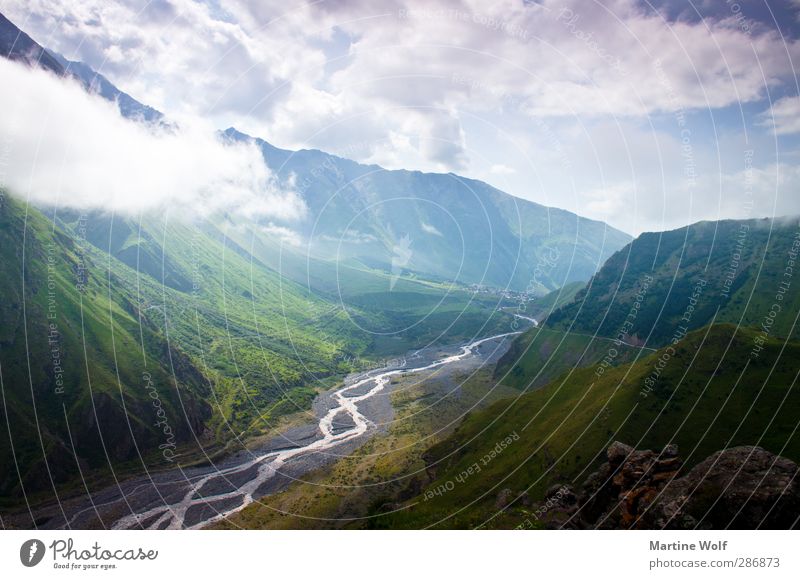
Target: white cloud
{"points": [[326, 74], [501, 169], [349, 236], [608, 202], [427, 228], [283, 234], [405, 83], [72, 148], [783, 117]]}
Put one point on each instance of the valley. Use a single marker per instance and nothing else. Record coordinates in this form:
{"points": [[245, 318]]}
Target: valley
{"points": [[196, 496], [201, 328]]}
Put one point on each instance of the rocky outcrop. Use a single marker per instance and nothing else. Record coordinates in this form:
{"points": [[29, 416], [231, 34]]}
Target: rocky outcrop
{"points": [[745, 487], [628, 483]]}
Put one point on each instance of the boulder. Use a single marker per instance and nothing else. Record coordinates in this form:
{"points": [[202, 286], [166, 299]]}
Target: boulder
{"points": [[745, 487]]}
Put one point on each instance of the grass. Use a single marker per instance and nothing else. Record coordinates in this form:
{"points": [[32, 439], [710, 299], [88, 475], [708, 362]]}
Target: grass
{"points": [[710, 395], [541, 355], [232, 345]]}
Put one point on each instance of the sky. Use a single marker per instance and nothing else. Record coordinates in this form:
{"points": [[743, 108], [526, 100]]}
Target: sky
{"points": [[646, 115], [64, 146]]}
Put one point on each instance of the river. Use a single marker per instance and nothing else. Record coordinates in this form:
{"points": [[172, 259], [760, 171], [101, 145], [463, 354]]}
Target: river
{"points": [[198, 496]]}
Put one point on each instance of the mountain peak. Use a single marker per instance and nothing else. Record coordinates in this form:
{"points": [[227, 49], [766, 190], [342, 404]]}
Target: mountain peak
{"points": [[16, 45]]}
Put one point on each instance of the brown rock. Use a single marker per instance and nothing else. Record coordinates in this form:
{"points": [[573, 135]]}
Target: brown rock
{"points": [[618, 452], [745, 487], [742, 488]]}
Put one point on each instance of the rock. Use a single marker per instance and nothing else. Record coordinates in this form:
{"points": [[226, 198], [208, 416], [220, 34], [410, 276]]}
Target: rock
{"points": [[745, 487], [618, 452], [670, 451], [624, 488], [741, 488], [504, 498], [597, 493], [559, 508], [561, 493]]}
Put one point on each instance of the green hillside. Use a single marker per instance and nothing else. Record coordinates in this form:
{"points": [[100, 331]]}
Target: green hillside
{"points": [[78, 362], [662, 284], [174, 313], [540, 307], [541, 355], [710, 394]]}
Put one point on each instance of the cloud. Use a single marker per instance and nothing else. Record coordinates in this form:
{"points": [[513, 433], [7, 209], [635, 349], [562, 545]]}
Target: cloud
{"points": [[430, 229], [501, 169], [283, 234], [180, 56], [310, 73], [608, 202], [429, 84], [639, 178], [783, 117], [349, 236], [71, 148]]}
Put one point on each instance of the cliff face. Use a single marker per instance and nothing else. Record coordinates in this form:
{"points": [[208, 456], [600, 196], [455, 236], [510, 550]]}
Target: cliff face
{"points": [[745, 487]]}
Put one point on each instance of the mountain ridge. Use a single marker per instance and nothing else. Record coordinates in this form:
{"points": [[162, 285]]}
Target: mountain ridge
{"points": [[531, 248], [729, 271], [359, 214]]}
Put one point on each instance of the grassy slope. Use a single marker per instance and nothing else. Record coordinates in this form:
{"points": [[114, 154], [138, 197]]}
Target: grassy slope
{"points": [[246, 344], [99, 326], [541, 355], [392, 315], [540, 308], [758, 251], [711, 395], [266, 342]]}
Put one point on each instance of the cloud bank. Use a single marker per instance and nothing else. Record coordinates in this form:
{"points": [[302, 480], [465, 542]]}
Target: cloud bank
{"points": [[580, 98], [66, 147]]}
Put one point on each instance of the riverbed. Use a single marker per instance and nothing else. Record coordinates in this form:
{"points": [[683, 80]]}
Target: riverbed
{"points": [[198, 496]]}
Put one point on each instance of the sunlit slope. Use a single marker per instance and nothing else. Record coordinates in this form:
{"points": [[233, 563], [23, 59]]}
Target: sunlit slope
{"points": [[79, 362], [740, 272], [711, 394], [228, 342]]}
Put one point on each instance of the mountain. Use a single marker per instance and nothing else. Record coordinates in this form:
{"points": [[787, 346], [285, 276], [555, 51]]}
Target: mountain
{"points": [[137, 343], [107, 321], [97, 83], [642, 355], [16, 45], [709, 395], [229, 343], [442, 226], [657, 289], [664, 284], [85, 377]]}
